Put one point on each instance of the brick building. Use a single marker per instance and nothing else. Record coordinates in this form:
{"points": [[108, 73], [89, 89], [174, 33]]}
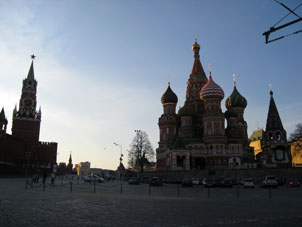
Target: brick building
{"points": [[196, 136], [22, 149]]}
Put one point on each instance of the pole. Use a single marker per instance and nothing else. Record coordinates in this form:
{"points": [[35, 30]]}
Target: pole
{"points": [[43, 187], [94, 184], [270, 192]]}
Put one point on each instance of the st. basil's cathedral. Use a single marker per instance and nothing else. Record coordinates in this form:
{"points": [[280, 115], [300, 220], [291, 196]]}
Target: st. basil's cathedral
{"points": [[196, 136]]}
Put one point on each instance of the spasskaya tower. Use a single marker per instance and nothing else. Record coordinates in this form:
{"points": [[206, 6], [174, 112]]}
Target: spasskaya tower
{"points": [[26, 120]]}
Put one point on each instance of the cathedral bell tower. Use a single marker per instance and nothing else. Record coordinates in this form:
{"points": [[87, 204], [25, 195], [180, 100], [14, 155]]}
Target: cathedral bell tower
{"points": [[26, 120]]}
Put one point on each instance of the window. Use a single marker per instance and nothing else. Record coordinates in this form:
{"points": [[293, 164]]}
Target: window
{"points": [[278, 135], [271, 136]]}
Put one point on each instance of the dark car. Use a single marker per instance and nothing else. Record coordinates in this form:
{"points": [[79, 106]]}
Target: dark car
{"points": [[187, 182], [208, 183], [145, 180], [133, 180], [156, 181], [93, 178], [219, 182], [292, 183], [171, 181], [227, 183]]}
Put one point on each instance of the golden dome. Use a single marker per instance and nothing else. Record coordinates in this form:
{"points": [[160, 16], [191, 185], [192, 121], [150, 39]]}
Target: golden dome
{"points": [[195, 45]]}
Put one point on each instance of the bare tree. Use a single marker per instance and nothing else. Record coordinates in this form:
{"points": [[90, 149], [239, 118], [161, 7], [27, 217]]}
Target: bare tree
{"points": [[141, 151], [297, 132]]}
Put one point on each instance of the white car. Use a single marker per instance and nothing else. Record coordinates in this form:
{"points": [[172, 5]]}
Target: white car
{"points": [[195, 181], [248, 183], [270, 181]]}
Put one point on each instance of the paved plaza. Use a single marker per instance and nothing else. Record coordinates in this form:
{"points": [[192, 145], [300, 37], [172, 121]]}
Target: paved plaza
{"points": [[113, 204]]}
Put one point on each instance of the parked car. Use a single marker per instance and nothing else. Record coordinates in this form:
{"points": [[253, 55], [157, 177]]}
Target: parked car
{"points": [[248, 183], [92, 178], [187, 182], [170, 180], [219, 182], [292, 183], [156, 181], [133, 180], [270, 181], [145, 180], [208, 183], [227, 183], [195, 181], [236, 182]]}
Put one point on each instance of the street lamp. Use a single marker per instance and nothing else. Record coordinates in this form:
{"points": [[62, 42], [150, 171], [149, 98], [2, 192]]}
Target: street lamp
{"points": [[121, 149], [121, 158]]}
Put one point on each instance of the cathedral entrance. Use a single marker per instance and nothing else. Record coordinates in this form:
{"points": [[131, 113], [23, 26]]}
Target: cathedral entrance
{"points": [[200, 163]]}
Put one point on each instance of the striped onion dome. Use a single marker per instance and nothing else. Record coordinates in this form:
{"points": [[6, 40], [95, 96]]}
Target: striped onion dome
{"points": [[235, 100], [169, 96], [211, 90]]}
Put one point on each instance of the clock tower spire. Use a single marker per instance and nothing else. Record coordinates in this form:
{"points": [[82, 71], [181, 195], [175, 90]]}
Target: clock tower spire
{"points": [[26, 120]]}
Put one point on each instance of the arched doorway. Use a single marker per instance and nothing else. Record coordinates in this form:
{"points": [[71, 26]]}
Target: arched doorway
{"points": [[200, 163]]}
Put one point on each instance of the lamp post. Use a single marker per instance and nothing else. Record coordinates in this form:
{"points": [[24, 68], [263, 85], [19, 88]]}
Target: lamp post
{"points": [[121, 158]]}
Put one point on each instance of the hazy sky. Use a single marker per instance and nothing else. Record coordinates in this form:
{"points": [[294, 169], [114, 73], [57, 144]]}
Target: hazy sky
{"points": [[102, 66]]}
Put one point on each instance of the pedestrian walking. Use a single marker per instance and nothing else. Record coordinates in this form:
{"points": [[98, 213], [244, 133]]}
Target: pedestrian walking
{"points": [[44, 178], [52, 177]]}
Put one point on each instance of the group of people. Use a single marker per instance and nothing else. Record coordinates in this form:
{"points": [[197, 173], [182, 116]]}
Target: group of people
{"points": [[36, 177]]}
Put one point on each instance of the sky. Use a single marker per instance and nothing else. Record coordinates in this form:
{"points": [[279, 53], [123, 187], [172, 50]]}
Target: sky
{"points": [[102, 66]]}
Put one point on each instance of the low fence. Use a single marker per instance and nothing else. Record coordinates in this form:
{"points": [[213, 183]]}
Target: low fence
{"points": [[167, 190], [257, 174]]}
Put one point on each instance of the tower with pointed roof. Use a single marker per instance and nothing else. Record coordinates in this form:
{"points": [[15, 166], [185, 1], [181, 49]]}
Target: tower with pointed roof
{"points": [[195, 137], [22, 149], [70, 165], [276, 149], [3, 124], [26, 119]]}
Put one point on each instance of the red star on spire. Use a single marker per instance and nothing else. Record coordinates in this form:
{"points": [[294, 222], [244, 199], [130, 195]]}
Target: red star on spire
{"points": [[33, 56]]}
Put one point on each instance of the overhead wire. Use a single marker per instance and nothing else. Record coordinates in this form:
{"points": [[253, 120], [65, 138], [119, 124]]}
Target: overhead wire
{"points": [[287, 14]]}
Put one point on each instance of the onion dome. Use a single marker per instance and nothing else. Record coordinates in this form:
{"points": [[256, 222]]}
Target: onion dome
{"points": [[230, 113], [195, 45], [169, 96], [235, 100], [186, 110], [211, 90]]}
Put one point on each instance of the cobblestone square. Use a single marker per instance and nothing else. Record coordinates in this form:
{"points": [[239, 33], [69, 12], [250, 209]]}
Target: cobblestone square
{"points": [[139, 205]]}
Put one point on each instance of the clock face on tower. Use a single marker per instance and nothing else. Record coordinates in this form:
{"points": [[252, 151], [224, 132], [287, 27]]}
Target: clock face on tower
{"points": [[28, 102]]}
